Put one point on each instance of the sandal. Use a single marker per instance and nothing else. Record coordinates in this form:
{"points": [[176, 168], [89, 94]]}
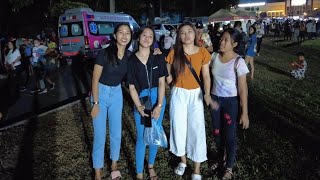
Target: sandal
{"points": [[214, 166], [227, 174], [115, 175], [179, 170], [152, 177]]}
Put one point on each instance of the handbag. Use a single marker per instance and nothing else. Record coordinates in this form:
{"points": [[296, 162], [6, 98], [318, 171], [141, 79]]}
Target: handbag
{"points": [[155, 135]]}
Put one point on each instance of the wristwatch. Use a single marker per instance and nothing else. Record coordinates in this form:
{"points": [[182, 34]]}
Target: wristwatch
{"points": [[160, 105], [95, 103]]}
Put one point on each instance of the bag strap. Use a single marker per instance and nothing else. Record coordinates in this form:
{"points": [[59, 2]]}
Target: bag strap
{"points": [[215, 56], [236, 72], [195, 75], [150, 78]]}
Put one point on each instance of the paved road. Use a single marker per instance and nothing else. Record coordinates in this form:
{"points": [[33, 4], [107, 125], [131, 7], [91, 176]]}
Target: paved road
{"points": [[72, 82]]}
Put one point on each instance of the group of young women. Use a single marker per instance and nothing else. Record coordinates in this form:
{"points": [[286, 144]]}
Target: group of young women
{"points": [[147, 74]]}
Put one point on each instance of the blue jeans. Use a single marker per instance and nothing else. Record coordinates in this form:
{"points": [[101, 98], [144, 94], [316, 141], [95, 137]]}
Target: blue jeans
{"points": [[224, 121], [110, 107], [140, 146]]}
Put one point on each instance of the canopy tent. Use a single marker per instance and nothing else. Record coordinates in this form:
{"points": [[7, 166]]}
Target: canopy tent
{"points": [[315, 13], [223, 15], [246, 15]]}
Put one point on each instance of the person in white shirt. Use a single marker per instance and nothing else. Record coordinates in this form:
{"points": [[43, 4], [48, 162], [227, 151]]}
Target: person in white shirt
{"points": [[309, 29], [12, 58], [174, 35], [167, 43], [229, 87]]}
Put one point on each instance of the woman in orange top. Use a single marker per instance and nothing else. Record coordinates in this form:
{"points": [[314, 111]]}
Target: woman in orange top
{"points": [[187, 125]]}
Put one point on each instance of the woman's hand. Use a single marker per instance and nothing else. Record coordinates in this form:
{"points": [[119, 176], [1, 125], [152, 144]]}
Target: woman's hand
{"points": [[207, 99], [157, 51], [156, 112], [214, 104], [141, 111], [94, 111], [244, 120]]}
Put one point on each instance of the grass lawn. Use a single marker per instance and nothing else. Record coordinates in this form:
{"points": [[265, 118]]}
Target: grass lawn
{"points": [[280, 144]]}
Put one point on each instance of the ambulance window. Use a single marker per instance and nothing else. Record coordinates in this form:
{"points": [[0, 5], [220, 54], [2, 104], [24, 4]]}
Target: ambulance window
{"points": [[101, 28], [76, 30], [64, 30], [105, 28]]}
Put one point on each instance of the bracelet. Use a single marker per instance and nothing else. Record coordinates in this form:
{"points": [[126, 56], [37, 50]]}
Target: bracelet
{"points": [[95, 103], [141, 107]]}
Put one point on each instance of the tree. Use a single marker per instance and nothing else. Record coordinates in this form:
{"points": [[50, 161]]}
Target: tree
{"points": [[133, 7], [58, 8], [16, 5]]}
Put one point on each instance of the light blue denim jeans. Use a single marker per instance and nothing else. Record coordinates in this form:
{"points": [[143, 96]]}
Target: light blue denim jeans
{"points": [[140, 146], [110, 108]]}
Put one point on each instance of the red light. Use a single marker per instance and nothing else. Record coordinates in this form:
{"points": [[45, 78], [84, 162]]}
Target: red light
{"points": [[86, 42], [74, 17]]}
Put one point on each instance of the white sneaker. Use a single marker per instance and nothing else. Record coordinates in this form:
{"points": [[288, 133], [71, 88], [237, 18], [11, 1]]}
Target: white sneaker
{"points": [[43, 91], [179, 170], [195, 177]]}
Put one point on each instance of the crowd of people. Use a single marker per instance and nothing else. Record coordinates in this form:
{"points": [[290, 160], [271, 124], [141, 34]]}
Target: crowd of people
{"points": [[147, 72], [294, 30], [27, 65], [30, 59]]}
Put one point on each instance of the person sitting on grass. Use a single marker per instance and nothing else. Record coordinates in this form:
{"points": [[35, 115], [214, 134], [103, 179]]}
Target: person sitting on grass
{"points": [[299, 66]]}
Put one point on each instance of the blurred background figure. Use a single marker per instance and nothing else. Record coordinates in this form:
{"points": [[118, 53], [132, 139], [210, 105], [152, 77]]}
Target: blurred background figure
{"points": [[203, 38], [298, 67]]}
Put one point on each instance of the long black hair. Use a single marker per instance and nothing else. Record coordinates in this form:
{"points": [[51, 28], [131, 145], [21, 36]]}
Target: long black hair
{"points": [[236, 36], [112, 49], [14, 47], [179, 57]]}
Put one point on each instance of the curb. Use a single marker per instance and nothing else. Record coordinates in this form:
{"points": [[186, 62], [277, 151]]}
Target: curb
{"points": [[26, 120]]}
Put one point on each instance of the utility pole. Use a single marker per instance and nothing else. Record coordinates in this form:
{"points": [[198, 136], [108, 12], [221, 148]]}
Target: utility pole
{"points": [[112, 6], [150, 10], [160, 1], [193, 8]]}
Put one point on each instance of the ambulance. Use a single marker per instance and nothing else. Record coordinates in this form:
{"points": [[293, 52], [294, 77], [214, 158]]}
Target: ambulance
{"points": [[82, 30]]}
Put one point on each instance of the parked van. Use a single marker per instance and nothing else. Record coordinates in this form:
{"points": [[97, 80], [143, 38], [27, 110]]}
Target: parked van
{"points": [[83, 30]]}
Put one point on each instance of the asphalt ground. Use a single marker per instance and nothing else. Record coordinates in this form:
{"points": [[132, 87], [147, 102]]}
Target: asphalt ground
{"points": [[72, 83]]}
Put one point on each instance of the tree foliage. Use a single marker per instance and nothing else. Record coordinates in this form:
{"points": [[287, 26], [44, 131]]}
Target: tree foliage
{"points": [[16, 5], [58, 8], [133, 7]]}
